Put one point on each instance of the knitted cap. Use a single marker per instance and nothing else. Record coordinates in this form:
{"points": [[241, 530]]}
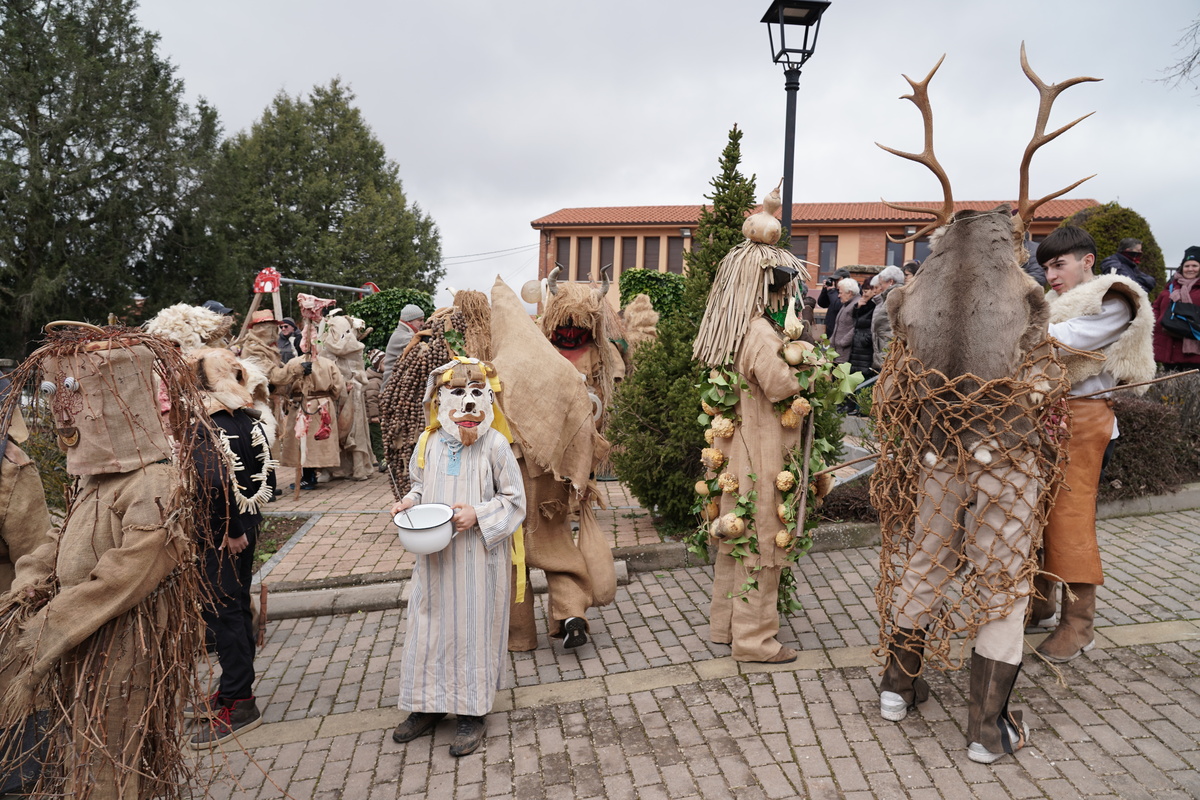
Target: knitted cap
{"points": [[411, 313]]}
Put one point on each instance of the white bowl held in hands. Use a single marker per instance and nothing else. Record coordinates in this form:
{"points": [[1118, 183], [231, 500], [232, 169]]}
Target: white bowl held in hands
{"points": [[425, 528]]}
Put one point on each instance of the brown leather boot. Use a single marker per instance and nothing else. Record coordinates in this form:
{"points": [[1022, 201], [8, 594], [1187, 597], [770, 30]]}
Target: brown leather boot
{"points": [[992, 729], [1043, 606], [902, 686], [1075, 634]]}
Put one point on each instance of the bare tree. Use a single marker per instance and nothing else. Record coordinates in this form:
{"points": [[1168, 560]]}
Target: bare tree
{"points": [[1187, 68]]}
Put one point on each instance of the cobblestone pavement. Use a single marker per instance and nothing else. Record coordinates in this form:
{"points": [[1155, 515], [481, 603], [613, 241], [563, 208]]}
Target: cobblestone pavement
{"points": [[651, 709]]}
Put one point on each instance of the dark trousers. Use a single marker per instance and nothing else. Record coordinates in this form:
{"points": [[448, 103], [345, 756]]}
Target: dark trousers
{"points": [[228, 617]]}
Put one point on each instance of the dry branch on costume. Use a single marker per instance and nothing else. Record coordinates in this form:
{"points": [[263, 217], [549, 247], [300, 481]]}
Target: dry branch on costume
{"points": [[111, 632]]}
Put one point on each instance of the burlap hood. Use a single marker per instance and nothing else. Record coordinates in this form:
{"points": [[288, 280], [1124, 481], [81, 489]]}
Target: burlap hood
{"points": [[109, 393], [544, 397]]}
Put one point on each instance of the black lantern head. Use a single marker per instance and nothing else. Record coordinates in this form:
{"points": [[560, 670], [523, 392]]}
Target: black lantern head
{"points": [[804, 19]]}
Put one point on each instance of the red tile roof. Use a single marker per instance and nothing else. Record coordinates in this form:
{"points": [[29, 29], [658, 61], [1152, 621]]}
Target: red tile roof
{"points": [[802, 213]]}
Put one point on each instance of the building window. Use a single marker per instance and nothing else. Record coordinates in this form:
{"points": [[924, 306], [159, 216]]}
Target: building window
{"points": [[562, 256], [628, 253], [895, 254], [921, 249], [799, 247], [607, 248], [583, 272], [828, 257], [675, 254], [650, 253]]}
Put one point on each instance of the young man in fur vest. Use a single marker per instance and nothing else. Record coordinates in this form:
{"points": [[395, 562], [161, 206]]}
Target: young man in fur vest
{"points": [[1111, 315]]}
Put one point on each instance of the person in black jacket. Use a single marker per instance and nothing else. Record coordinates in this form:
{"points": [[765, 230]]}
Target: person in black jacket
{"points": [[862, 348], [236, 478], [1125, 262], [828, 299]]}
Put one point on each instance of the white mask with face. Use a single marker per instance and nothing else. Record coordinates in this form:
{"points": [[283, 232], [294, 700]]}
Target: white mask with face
{"points": [[465, 412]]}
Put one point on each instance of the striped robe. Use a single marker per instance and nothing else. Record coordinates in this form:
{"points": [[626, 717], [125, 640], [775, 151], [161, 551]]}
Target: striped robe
{"points": [[456, 642]]}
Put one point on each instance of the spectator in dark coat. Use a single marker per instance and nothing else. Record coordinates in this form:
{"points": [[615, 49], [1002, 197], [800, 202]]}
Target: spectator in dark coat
{"points": [[1125, 262], [862, 349], [289, 339], [829, 299]]}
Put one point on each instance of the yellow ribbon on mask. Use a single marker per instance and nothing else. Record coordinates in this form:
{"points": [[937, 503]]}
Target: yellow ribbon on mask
{"points": [[500, 423]]}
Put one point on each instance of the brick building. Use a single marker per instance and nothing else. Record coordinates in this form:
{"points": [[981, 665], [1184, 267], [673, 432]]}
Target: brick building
{"points": [[827, 235]]}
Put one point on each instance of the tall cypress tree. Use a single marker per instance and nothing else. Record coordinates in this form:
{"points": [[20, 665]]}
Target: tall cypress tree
{"points": [[654, 426]]}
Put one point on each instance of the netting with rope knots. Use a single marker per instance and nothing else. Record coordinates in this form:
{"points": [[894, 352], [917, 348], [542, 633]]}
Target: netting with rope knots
{"points": [[963, 485]]}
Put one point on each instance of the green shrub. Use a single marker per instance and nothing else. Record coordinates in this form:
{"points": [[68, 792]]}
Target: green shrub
{"points": [[1109, 224], [381, 311], [665, 289]]}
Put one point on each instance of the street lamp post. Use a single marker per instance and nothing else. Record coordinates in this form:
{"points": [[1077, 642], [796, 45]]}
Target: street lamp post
{"points": [[804, 16]]}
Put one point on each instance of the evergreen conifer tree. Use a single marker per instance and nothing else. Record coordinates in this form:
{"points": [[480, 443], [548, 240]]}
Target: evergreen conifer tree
{"points": [[654, 427]]}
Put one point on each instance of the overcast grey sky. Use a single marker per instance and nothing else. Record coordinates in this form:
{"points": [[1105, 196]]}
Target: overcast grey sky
{"points": [[499, 113]]}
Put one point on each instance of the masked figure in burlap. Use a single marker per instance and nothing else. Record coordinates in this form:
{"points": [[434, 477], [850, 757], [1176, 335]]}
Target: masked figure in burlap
{"points": [[340, 340], [550, 414], [24, 527], [111, 636], [754, 279], [309, 437], [581, 329]]}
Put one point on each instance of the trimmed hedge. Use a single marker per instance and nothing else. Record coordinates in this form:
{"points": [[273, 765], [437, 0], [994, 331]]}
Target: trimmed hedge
{"points": [[381, 311], [1109, 224], [665, 289]]}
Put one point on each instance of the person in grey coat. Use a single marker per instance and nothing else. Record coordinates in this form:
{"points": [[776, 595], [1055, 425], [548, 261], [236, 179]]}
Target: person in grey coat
{"points": [[411, 320], [881, 326]]}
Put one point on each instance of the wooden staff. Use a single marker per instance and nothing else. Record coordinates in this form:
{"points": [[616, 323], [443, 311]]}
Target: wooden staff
{"points": [[836, 467], [809, 435], [1170, 377]]}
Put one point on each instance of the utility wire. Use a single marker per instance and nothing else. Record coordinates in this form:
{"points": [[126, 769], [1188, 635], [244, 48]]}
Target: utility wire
{"points": [[496, 253]]}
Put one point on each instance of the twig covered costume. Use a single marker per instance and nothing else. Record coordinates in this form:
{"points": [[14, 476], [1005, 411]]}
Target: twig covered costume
{"points": [[112, 636], [552, 422]]}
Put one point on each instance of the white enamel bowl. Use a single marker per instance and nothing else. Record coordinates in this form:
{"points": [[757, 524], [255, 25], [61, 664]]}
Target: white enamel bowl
{"points": [[425, 528]]}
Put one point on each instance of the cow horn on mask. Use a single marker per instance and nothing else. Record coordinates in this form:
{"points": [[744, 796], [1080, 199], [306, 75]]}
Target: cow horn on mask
{"points": [[552, 279]]}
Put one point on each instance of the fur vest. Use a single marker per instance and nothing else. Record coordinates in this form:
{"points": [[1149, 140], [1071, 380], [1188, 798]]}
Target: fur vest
{"points": [[1130, 359]]}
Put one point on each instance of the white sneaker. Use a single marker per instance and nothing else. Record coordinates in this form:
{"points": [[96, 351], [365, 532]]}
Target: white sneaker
{"points": [[981, 755], [892, 706], [1036, 624]]}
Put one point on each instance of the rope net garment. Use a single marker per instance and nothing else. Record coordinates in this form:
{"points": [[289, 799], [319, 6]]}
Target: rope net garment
{"points": [[965, 478]]}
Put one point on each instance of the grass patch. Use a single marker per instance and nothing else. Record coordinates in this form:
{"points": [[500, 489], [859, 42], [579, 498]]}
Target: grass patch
{"points": [[272, 535]]}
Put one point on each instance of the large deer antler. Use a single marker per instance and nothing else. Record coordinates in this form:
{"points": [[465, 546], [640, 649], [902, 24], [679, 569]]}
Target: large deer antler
{"points": [[1048, 94], [920, 98]]}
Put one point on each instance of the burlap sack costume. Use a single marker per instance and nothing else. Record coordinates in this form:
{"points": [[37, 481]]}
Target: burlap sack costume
{"points": [[24, 518], [339, 342], [111, 638], [551, 419], [312, 410]]}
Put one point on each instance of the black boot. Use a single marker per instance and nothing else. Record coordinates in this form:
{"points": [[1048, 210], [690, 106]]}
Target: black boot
{"points": [[992, 729], [902, 686], [468, 735], [417, 724]]}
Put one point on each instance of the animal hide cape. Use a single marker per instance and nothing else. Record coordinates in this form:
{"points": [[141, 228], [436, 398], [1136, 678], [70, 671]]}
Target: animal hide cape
{"points": [[1130, 359]]}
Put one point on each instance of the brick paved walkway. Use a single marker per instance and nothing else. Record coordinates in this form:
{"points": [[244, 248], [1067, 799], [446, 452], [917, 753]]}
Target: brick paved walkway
{"points": [[353, 541], [653, 710]]}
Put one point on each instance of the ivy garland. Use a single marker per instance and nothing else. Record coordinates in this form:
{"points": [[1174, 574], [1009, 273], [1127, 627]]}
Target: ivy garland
{"points": [[823, 386]]}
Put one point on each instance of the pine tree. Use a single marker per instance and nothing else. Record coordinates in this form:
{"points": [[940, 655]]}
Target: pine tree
{"points": [[654, 427], [92, 132]]}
